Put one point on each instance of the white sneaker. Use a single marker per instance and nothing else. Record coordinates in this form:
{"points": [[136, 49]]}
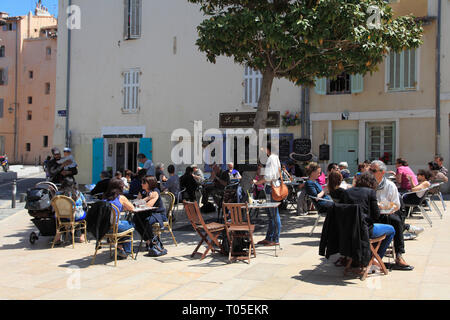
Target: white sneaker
{"points": [[374, 269], [409, 236], [415, 230]]}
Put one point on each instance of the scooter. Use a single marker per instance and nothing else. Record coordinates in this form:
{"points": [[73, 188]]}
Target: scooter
{"points": [[4, 163]]}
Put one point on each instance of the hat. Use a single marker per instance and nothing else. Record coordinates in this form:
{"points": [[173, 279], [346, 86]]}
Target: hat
{"points": [[67, 150], [194, 166], [343, 164], [55, 151]]}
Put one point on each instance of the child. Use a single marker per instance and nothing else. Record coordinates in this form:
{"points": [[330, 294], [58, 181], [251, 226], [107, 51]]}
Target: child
{"points": [[68, 157]]}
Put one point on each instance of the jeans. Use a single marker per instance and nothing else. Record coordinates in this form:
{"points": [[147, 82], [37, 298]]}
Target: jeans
{"points": [[380, 229], [274, 229], [125, 225]]}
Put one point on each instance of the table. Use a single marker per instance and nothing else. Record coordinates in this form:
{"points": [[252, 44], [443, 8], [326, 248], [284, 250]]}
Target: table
{"points": [[131, 214], [264, 205]]}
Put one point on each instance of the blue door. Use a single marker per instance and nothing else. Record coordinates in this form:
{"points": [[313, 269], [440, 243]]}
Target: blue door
{"points": [[97, 158], [345, 148], [145, 147]]}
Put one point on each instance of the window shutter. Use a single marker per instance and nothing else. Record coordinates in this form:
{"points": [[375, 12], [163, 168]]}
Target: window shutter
{"points": [[135, 18], [97, 158], [5, 76], [321, 86], [126, 20], [1, 108], [14, 26], [357, 83], [145, 147]]}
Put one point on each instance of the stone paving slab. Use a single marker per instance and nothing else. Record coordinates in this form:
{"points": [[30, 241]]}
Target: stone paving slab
{"points": [[39, 272]]}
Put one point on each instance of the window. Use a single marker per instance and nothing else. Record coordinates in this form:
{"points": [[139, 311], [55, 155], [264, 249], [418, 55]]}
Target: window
{"points": [[28, 147], [1, 108], [3, 77], [340, 85], [29, 115], [2, 144], [133, 19], [30, 100], [45, 141], [252, 86], [31, 74], [9, 26], [2, 51], [380, 141], [47, 88], [402, 72], [131, 90]]}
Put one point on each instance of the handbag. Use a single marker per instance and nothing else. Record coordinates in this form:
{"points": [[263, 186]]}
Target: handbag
{"points": [[280, 193]]}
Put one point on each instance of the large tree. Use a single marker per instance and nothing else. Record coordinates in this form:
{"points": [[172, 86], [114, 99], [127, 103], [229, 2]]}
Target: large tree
{"points": [[303, 40]]}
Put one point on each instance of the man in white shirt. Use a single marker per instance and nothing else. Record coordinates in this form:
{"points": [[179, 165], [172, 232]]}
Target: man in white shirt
{"points": [[271, 175], [388, 199], [148, 164]]}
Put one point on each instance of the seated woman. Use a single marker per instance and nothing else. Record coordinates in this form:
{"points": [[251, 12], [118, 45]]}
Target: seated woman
{"points": [[364, 194], [285, 174], [423, 177], [258, 191], [335, 189], [403, 175], [152, 200], [70, 189], [135, 184], [437, 176], [314, 189], [114, 195]]}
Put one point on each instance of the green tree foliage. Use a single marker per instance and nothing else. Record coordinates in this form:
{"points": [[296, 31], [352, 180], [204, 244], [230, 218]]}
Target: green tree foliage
{"points": [[303, 40]]}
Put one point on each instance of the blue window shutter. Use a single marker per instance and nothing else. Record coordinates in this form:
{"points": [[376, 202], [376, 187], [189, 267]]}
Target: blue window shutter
{"points": [[97, 158], [14, 26], [145, 147], [1, 108], [357, 83], [321, 86]]}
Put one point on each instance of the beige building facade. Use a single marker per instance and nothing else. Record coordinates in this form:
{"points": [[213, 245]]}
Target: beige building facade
{"points": [[127, 90], [27, 92]]}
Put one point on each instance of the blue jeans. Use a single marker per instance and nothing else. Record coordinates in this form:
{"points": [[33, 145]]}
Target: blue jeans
{"points": [[379, 230], [125, 225], [274, 229]]}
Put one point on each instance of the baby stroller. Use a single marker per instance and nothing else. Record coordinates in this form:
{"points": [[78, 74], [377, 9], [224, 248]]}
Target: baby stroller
{"points": [[38, 203]]}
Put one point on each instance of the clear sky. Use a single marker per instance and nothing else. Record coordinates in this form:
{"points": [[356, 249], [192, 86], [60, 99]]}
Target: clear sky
{"points": [[22, 7]]}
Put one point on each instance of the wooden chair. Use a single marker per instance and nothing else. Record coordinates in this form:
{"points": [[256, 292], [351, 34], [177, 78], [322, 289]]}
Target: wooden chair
{"points": [[65, 218], [169, 202], [236, 227], [211, 230], [114, 236]]}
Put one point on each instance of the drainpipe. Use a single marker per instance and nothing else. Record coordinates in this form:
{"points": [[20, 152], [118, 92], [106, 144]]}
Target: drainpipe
{"points": [[308, 115], [303, 113], [438, 80], [16, 104], [69, 47]]}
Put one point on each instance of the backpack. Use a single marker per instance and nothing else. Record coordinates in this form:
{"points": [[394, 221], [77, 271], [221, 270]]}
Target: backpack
{"points": [[38, 198], [239, 244], [207, 208], [156, 248]]}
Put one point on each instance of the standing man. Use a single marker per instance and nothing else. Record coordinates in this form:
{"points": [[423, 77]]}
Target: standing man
{"points": [[271, 175], [56, 171], [439, 160], [148, 164], [388, 199]]}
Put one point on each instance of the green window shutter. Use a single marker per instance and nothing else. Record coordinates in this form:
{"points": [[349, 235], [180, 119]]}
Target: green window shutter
{"points": [[321, 86], [97, 158], [357, 83]]}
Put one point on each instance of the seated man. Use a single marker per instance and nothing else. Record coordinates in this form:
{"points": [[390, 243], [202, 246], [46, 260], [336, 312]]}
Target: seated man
{"points": [[343, 166], [220, 180], [136, 184], [388, 198], [173, 183], [234, 174], [102, 185], [198, 174], [188, 182]]}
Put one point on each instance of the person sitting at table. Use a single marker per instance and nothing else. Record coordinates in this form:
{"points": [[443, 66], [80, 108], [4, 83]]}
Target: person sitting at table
{"points": [[285, 174], [135, 184], [440, 161], [258, 191], [313, 188], [234, 174], [220, 179], [343, 167], [198, 174], [334, 186], [173, 183], [159, 173], [332, 167], [118, 175], [102, 185], [70, 189], [152, 200], [363, 194], [423, 177], [402, 173], [389, 199], [128, 175], [188, 182], [436, 175], [148, 164], [114, 195]]}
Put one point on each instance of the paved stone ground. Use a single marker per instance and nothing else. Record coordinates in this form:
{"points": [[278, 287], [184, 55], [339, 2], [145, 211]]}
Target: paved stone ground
{"points": [[38, 272]]}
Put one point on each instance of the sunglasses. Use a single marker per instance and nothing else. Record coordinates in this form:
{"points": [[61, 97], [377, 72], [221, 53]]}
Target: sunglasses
{"points": [[373, 170]]}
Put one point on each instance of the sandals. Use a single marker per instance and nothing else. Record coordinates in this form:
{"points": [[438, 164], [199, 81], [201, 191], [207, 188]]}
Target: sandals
{"points": [[341, 262]]}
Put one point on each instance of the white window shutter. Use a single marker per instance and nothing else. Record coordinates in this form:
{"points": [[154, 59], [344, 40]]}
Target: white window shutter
{"points": [[136, 6], [357, 83], [321, 86], [126, 20]]}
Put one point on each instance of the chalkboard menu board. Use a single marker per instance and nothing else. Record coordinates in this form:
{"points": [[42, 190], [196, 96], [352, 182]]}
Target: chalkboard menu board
{"points": [[324, 152], [285, 147], [302, 146]]}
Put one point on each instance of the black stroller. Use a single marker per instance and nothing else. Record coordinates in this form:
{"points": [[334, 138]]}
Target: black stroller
{"points": [[38, 203]]}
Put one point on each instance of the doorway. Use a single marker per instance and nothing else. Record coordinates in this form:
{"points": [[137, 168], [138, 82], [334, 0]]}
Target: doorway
{"points": [[345, 148]]}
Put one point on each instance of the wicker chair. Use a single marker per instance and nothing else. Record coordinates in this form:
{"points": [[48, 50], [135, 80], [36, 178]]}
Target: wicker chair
{"points": [[169, 202]]}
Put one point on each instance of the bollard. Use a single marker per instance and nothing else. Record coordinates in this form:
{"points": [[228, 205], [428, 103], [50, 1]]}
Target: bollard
{"points": [[14, 190]]}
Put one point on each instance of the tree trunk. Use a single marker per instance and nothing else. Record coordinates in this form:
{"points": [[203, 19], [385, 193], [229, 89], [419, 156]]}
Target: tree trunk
{"points": [[264, 99]]}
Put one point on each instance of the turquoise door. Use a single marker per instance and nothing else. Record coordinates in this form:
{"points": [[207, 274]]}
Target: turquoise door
{"points": [[345, 148], [97, 158], [146, 147]]}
